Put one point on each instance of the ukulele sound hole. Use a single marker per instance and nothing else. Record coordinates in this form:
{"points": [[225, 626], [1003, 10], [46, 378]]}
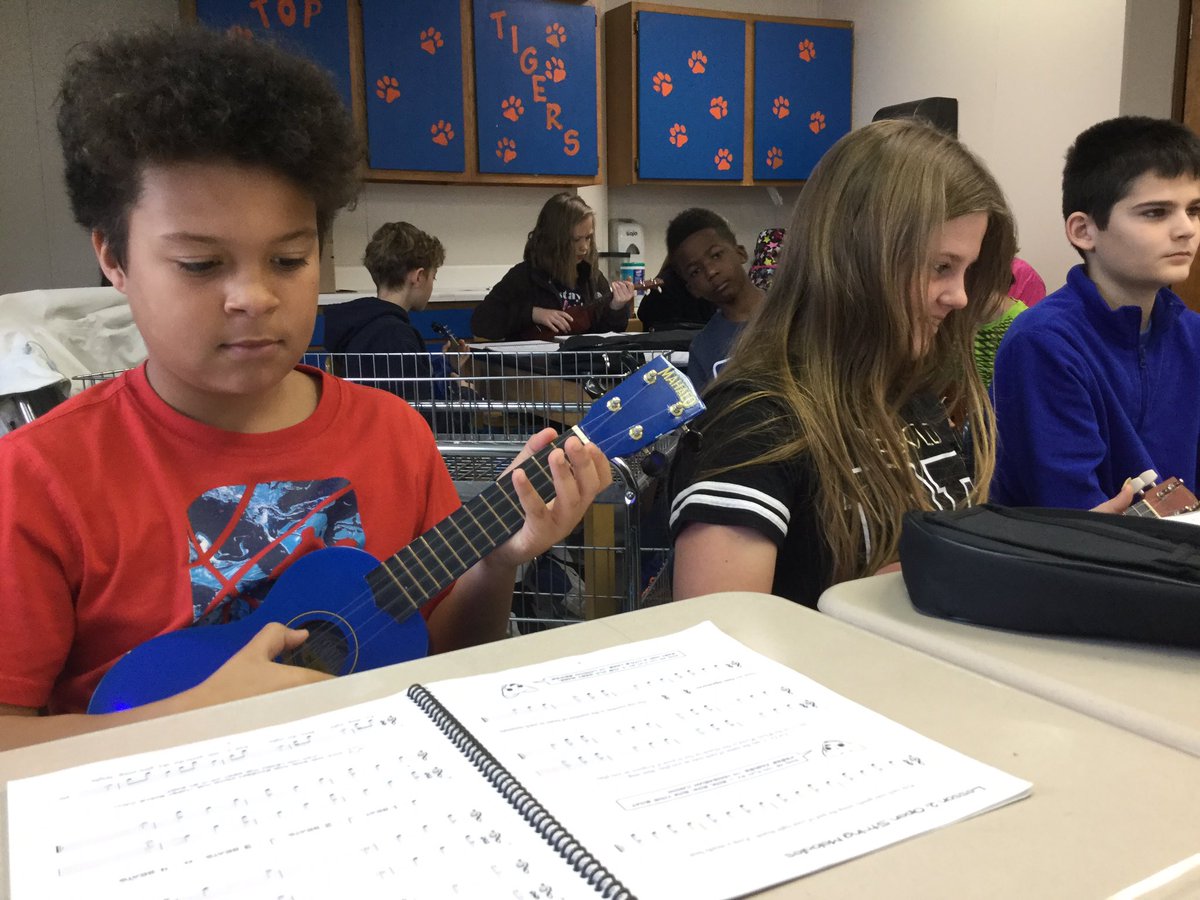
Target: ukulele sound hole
{"points": [[325, 650]]}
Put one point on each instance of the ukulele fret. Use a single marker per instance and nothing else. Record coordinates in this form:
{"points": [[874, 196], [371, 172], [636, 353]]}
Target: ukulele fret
{"points": [[449, 546], [422, 557], [423, 540]]}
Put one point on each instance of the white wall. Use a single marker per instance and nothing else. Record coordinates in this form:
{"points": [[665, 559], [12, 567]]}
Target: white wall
{"points": [[40, 244], [1029, 75], [1148, 61]]}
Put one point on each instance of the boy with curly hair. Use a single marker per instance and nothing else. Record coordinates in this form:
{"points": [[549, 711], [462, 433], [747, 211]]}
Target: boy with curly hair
{"points": [[207, 169]]}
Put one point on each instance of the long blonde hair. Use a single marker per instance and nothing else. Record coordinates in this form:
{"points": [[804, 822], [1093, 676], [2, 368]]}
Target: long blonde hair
{"points": [[832, 346], [550, 246]]}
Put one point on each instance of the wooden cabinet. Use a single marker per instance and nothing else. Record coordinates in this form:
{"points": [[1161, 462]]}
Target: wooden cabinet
{"points": [[699, 96], [691, 97], [478, 91], [536, 88], [802, 77], [413, 96], [317, 29]]}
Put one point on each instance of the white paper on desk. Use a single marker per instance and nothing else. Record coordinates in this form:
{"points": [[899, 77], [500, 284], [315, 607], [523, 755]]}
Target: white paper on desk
{"points": [[692, 766], [517, 346], [370, 801], [561, 338]]}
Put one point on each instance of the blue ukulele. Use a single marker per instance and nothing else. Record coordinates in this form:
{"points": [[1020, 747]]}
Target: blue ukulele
{"points": [[359, 612]]}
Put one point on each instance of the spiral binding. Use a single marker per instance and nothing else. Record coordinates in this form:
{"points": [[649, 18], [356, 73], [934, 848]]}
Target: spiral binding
{"points": [[539, 818]]}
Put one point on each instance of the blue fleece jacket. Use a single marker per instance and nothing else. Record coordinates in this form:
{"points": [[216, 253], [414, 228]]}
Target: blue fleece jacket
{"points": [[1084, 400]]}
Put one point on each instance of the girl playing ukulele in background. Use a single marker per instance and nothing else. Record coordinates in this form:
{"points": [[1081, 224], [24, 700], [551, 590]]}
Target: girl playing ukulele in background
{"points": [[557, 288]]}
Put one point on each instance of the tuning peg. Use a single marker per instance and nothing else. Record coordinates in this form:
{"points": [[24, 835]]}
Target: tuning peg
{"points": [[1143, 481]]}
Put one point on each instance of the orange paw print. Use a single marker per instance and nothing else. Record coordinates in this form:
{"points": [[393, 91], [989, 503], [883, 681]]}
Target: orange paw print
{"points": [[240, 31], [697, 61], [442, 131], [387, 88], [506, 149], [431, 39], [556, 69], [678, 135], [718, 108], [662, 83], [512, 108], [556, 35], [723, 159], [807, 51], [816, 122], [774, 157], [781, 107]]}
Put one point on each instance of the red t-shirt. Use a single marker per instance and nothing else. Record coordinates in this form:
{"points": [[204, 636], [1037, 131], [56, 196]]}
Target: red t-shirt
{"points": [[122, 519]]}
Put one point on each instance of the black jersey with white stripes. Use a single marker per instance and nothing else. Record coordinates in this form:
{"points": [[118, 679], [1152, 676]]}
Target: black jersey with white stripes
{"points": [[777, 499]]}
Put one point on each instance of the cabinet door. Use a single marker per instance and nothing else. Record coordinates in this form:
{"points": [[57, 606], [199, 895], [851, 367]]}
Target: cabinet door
{"points": [[691, 76], [317, 29], [412, 63], [535, 87], [802, 79]]}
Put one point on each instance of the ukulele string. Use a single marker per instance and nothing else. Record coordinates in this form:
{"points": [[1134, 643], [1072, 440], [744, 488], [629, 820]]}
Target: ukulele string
{"points": [[372, 599], [391, 589], [371, 604]]}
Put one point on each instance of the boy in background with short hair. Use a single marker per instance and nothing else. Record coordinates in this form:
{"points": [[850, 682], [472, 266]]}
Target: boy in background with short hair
{"points": [[702, 248], [403, 261], [1098, 382], [207, 169]]}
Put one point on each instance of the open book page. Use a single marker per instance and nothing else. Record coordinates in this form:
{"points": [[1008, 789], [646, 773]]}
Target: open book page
{"points": [[371, 801], [692, 766]]}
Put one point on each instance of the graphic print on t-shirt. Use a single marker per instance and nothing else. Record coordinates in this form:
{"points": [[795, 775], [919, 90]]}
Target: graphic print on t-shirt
{"points": [[569, 297], [937, 465], [243, 537]]}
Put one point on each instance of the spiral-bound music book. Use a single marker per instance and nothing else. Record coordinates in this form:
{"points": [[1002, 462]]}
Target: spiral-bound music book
{"points": [[683, 766]]}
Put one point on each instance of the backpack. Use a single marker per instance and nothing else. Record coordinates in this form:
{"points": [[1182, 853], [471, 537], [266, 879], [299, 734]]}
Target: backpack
{"points": [[1056, 571]]}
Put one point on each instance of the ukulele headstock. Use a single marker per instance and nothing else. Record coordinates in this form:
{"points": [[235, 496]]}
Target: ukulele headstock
{"points": [[1167, 498], [650, 402]]}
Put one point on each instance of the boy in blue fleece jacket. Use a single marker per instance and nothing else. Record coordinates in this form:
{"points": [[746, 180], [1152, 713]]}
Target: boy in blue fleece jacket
{"points": [[1099, 381]]}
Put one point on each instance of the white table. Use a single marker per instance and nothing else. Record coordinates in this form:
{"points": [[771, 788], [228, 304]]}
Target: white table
{"points": [[1152, 691], [1108, 808]]}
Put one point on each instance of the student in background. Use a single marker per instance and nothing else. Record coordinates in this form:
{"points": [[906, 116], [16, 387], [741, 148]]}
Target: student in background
{"points": [[703, 250], [1027, 289], [1027, 286], [367, 332], [1097, 383], [672, 305], [403, 262], [557, 288], [817, 442], [1005, 309], [207, 169]]}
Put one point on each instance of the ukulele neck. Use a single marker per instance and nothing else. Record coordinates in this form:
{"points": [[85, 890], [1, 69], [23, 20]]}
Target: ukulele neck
{"points": [[422, 570]]}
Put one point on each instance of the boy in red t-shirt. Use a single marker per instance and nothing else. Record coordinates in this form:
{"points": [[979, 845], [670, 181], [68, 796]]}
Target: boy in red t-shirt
{"points": [[207, 169]]}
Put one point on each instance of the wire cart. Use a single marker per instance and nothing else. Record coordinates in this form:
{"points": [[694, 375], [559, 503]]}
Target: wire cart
{"points": [[482, 407]]}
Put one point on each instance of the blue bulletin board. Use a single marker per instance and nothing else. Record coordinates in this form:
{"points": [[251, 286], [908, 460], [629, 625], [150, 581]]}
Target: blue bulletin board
{"points": [[802, 77], [691, 97], [316, 29], [413, 79], [535, 87]]}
